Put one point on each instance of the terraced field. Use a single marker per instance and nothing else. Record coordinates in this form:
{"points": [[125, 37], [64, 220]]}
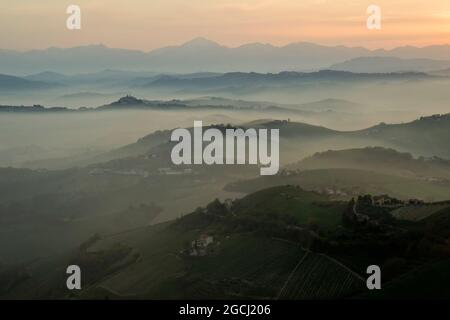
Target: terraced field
{"points": [[239, 265], [242, 266], [248, 267], [319, 277]]}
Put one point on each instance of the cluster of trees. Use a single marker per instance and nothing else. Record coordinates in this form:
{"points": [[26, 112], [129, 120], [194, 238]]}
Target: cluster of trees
{"points": [[226, 217]]}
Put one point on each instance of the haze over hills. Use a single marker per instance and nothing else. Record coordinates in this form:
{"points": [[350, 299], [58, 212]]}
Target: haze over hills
{"points": [[247, 81], [146, 114], [427, 133], [297, 240], [201, 55], [371, 170], [203, 82], [387, 161], [106, 77], [106, 214], [12, 83], [232, 170], [389, 64], [129, 102], [299, 140]]}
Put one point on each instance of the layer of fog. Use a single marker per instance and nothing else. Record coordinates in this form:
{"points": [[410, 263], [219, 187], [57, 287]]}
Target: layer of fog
{"points": [[29, 137]]}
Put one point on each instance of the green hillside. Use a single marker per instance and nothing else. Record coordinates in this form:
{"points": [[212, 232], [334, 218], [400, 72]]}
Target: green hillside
{"points": [[263, 246], [304, 207]]}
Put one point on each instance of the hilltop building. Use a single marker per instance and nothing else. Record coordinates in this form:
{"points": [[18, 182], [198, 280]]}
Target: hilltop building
{"points": [[200, 245]]}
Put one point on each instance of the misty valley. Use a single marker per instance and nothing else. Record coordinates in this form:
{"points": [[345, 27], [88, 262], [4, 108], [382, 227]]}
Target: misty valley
{"points": [[88, 176]]}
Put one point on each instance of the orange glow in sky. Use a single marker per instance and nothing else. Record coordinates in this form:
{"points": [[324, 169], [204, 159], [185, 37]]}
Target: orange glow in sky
{"points": [[149, 24]]}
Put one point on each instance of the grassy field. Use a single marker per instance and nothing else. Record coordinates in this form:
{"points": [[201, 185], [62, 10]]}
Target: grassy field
{"points": [[416, 213], [241, 266], [305, 207]]}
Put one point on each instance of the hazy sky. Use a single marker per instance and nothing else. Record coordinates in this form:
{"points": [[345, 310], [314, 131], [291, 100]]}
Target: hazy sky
{"points": [[149, 24]]}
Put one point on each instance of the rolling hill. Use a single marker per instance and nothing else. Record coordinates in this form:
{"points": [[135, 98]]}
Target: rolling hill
{"points": [[155, 262], [427, 136], [387, 161], [300, 140], [291, 258], [347, 183]]}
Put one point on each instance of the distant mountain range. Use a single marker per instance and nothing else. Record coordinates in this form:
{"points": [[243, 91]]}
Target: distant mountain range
{"points": [[200, 55]]}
